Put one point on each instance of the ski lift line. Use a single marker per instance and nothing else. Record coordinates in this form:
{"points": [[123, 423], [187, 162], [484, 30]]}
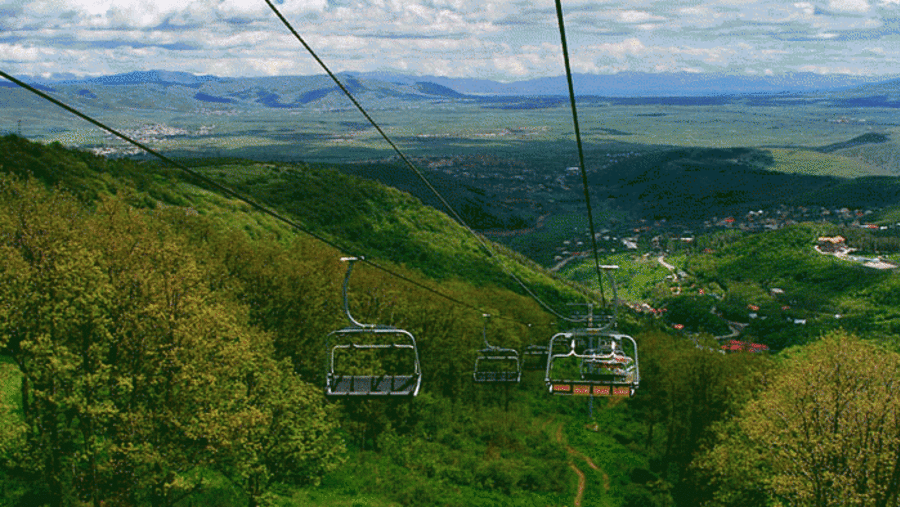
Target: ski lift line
{"points": [[584, 181], [169, 161], [363, 111], [232, 193], [418, 173]]}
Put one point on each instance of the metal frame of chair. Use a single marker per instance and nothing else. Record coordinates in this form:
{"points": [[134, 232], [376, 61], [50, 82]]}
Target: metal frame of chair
{"points": [[382, 383]]}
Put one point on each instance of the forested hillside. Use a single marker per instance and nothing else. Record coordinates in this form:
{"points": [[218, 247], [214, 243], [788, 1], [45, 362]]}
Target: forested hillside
{"points": [[163, 345]]}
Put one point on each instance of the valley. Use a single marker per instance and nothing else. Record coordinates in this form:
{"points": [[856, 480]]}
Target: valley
{"points": [[713, 207]]}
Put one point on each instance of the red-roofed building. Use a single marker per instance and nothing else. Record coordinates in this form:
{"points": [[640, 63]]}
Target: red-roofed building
{"points": [[739, 346]]}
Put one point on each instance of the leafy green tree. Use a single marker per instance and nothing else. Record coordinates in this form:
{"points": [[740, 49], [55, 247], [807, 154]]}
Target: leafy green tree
{"points": [[685, 391], [824, 432], [135, 373]]}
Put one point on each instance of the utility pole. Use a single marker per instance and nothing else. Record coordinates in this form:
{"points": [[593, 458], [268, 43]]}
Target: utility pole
{"points": [[20, 128]]}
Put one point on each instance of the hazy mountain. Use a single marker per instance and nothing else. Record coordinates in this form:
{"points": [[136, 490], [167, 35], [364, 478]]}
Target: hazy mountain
{"points": [[182, 91], [641, 84], [622, 84]]}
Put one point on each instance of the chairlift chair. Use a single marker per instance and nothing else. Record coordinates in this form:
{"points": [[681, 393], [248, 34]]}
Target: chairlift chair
{"points": [[369, 359], [534, 358], [496, 364], [594, 361]]}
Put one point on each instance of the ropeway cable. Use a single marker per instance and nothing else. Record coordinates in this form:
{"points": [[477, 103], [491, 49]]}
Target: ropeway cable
{"points": [[414, 169], [227, 191], [584, 180]]}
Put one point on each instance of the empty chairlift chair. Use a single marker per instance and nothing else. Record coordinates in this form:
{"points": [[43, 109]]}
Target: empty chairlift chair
{"points": [[496, 364], [534, 358], [370, 359], [595, 361]]}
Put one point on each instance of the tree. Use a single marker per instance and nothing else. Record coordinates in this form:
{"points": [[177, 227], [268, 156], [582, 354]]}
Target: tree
{"points": [[824, 432], [135, 372]]}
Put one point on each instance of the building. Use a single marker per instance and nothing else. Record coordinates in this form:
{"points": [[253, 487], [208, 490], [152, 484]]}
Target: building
{"points": [[832, 244], [739, 346]]}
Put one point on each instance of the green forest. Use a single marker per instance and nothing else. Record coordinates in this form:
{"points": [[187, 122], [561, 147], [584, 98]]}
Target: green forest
{"points": [[164, 345]]}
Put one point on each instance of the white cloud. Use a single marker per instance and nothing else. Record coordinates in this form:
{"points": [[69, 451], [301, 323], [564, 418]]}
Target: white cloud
{"points": [[511, 39], [631, 46], [807, 8], [637, 17], [827, 69], [849, 5]]}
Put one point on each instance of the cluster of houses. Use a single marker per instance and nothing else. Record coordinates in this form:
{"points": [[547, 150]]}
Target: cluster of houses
{"points": [[761, 220], [148, 134]]}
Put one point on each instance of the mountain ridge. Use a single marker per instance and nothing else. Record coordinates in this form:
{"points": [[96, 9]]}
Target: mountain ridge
{"points": [[623, 84]]}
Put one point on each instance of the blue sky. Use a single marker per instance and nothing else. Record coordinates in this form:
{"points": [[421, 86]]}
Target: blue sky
{"points": [[506, 40]]}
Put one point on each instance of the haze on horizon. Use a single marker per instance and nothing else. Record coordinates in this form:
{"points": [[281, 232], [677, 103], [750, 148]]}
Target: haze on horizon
{"points": [[504, 40]]}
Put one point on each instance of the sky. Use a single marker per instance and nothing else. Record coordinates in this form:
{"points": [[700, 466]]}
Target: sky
{"points": [[505, 40]]}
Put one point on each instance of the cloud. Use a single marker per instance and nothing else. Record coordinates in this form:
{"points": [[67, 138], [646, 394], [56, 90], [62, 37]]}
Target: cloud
{"points": [[509, 39], [828, 69], [637, 17], [849, 5], [631, 46]]}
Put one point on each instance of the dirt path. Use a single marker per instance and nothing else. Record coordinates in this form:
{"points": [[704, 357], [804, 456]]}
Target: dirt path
{"points": [[567, 260], [581, 484], [582, 479]]}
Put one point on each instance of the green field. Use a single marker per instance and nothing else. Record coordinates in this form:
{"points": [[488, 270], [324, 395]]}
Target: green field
{"points": [[823, 164], [637, 278]]}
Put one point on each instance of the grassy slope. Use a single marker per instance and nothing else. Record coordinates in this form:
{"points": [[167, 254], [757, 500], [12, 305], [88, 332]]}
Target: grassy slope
{"points": [[474, 449], [361, 216], [636, 277]]}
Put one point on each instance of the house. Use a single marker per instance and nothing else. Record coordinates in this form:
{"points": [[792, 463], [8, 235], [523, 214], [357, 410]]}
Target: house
{"points": [[832, 244]]}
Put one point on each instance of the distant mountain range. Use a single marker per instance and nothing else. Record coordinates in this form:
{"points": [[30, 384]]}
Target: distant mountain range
{"points": [[181, 91], [641, 84], [623, 84]]}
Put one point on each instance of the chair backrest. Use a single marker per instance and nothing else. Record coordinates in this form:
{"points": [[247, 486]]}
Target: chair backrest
{"points": [[375, 361], [596, 362]]}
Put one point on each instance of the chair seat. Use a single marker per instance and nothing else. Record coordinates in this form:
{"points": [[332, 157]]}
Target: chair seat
{"points": [[372, 385], [496, 376]]}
